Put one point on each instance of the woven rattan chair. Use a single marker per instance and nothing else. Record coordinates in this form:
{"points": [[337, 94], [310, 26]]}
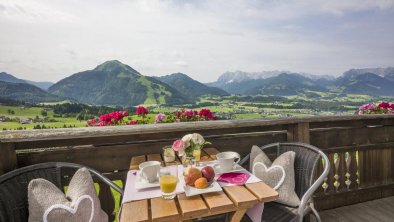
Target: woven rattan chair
{"points": [[13, 187], [306, 160]]}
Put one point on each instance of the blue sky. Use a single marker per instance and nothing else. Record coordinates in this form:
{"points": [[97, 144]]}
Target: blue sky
{"points": [[52, 39]]}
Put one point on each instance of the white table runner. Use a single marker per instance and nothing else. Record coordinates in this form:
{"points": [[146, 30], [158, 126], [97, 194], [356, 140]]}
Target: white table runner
{"points": [[132, 194]]}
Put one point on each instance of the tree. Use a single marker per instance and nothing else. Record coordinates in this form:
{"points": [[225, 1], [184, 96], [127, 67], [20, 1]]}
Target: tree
{"points": [[44, 113]]}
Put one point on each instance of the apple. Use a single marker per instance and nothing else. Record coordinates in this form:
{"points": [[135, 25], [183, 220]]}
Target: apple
{"points": [[208, 172]]}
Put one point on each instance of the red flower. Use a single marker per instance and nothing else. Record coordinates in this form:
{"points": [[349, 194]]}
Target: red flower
{"points": [[105, 118], [178, 114], [141, 111], [132, 122], [384, 105], [207, 114]]}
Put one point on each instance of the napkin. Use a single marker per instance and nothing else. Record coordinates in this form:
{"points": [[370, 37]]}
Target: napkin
{"points": [[234, 178]]}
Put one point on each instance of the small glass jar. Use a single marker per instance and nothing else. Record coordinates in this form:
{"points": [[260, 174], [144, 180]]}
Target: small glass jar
{"points": [[188, 160], [168, 154]]}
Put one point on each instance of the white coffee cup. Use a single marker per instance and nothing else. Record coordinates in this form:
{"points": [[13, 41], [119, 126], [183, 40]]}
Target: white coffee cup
{"points": [[227, 160], [150, 170]]}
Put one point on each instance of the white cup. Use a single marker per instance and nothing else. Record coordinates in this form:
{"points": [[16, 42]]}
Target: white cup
{"points": [[226, 160], [150, 170]]}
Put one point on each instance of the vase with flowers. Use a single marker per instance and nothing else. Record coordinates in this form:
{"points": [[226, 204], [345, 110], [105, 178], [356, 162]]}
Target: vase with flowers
{"points": [[189, 147]]}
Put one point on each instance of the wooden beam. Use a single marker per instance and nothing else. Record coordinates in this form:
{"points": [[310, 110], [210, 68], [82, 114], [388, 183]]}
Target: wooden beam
{"points": [[8, 159], [298, 132]]}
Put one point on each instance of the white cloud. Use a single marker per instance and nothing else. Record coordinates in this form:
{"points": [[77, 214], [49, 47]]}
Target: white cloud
{"points": [[51, 39], [32, 11]]}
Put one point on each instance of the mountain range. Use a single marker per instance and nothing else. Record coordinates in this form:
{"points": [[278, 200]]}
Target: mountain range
{"points": [[5, 77], [372, 81], [113, 83], [26, 92], [189, 87]]}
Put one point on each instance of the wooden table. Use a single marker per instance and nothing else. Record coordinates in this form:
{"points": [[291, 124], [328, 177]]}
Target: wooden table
{"points": [[233, 199]]}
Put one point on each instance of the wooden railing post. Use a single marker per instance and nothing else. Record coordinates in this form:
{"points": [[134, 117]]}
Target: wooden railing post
{"points": [[8, 159], [298, 133]]}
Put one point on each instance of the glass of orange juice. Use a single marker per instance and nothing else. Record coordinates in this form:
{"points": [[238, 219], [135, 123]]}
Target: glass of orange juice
{"points": [[197, 156], [168, 180]]}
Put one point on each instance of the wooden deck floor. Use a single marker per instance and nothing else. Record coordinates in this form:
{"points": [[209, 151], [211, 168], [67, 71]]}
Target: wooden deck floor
{"points": [[380, 210]]}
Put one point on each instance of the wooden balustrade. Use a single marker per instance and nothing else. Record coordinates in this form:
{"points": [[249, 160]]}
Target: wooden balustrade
{"points": [[360, 149]]}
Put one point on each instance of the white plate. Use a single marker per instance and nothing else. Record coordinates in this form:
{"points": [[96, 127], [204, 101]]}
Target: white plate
{"points": [[142, 183], [235, 169], [192, 191]]}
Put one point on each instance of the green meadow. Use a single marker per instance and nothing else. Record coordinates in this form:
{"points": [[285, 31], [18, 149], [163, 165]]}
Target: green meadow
{"points": [[226, 107]]}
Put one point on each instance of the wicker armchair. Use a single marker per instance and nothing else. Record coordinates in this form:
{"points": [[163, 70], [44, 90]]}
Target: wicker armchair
{"points": [[13, 187], [306, 160]]}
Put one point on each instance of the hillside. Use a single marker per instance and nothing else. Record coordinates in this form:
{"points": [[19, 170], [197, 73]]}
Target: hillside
{"points": [[365, 83], [383, 72], [26, 92], [285, 84], [189, 87], [10, 78], [114, 83]]}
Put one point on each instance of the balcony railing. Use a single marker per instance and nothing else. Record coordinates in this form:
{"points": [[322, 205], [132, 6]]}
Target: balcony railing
{"points": [[360, 149]]}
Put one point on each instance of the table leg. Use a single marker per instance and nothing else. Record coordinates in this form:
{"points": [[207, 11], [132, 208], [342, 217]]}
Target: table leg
{"points": [[237, 215]]}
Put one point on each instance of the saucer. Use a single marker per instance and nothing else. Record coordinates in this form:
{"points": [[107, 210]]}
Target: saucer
{"points": [[192, 191], [236, 168], [142, 183]]}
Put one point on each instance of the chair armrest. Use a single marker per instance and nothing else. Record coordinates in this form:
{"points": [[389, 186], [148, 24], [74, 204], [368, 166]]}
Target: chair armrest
{"points": [[107, 181], [308, 194], [244, 160]]}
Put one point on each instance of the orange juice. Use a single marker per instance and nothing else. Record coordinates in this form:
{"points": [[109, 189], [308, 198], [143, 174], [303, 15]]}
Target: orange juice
{"points": [[168, 183], [197, 154]]}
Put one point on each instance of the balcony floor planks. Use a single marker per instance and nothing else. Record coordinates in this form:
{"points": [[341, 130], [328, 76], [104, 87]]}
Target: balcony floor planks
{"points": [[380, 210]]}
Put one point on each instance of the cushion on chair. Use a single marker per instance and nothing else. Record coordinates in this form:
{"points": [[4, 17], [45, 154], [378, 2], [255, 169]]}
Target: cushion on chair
{"points": [[278, 174], [80, 203]]}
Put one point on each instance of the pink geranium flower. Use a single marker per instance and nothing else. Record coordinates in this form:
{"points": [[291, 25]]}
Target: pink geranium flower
{"points": [[160, 117]]}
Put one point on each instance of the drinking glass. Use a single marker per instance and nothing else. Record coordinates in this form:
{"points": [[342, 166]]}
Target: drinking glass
{"points": [[168, 181], [197, 156]]}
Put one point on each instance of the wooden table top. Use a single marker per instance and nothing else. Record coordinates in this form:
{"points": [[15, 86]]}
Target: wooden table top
{"points": [[235, 199]]}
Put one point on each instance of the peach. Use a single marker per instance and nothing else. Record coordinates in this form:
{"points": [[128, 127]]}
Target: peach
{"points": [[192, 176], [201, 183]]}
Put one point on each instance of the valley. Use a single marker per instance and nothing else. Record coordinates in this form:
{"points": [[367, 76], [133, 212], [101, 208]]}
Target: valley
{"points": [[225, 107], [113, 85]]}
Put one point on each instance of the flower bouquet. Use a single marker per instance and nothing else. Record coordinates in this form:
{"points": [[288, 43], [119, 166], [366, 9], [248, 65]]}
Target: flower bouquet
{"points": [[190, 147]]}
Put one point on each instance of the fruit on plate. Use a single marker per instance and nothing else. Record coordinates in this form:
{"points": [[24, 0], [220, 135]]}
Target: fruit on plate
{"points": [[201, 183], [186, 171], [208, 172], [192, 175]]}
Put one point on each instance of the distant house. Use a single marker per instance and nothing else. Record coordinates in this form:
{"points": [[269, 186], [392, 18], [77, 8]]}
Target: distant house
{"points": [[25, 121]]}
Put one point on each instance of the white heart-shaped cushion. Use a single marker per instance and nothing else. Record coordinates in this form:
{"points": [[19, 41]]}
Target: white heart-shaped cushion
{"points": [[270, 173], [69, 209]]}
